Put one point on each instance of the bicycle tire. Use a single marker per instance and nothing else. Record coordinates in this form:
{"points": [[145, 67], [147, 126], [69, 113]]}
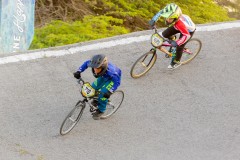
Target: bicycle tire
{"points": [[146, 67], [193, 46], [79, 107], [114, 104]]}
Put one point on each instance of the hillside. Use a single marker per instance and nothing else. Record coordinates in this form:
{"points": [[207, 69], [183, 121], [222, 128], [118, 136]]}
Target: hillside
{"points": [[60, 22]]}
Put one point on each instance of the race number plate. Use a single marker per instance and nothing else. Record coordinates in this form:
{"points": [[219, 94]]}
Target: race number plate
{"points": [[156, 40], [88, 90]]}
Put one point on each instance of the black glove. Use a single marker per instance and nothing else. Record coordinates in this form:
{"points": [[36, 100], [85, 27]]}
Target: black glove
{"points": [[107, 95], [77, 74], [152, 23], [173, 43]]}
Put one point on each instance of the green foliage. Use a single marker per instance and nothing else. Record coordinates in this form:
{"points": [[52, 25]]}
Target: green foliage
{"points": [[118, 17], [59, 33], [124, 8], [205, 11]]}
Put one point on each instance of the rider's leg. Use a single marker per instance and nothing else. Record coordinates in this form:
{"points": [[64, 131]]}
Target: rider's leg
{"points": [[102, 101], [98, 83], [175, 62], [179, 50], [103, 86], [169, 32]]}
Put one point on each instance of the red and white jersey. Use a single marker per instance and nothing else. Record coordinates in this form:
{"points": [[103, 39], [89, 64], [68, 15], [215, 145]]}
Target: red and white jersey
{"points": [[184, 25]]}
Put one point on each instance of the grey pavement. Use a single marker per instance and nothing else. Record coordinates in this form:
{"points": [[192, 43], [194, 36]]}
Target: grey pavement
{"points": [[191, 113]]}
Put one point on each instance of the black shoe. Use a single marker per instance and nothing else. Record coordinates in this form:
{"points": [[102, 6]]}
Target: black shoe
{"points": [[94, 102], [97, 115]]}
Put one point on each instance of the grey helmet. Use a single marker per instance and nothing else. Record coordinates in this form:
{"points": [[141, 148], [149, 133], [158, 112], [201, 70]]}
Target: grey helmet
{"points": [[98, 61]]}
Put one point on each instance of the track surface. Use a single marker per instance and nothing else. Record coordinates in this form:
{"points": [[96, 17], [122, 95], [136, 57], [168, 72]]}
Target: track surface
{"points": [[191, 113]]}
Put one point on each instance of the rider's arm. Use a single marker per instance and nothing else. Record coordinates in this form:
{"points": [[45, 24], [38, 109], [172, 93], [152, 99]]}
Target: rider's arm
{"points": [[84, 66], [157, 16], [114, 74], [116, 83], [179, 25]]}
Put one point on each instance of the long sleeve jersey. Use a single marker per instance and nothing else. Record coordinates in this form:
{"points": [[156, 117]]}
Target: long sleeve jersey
{"points": [[184, 25], [112, 73]]}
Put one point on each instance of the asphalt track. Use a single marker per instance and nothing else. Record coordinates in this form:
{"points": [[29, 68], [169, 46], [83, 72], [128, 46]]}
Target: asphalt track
{"points": [[191, 113]]}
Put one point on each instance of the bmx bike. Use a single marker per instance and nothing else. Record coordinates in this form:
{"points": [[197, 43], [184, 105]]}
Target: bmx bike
{"points": [[145, 62], [89, 94]]}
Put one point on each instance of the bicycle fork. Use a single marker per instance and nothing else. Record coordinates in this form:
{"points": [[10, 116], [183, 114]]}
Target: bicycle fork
{"points": [[154, 52]]}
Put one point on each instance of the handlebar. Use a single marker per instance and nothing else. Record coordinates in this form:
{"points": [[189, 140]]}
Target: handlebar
{"points": [[156, 31], [80, 80], [167, 44], [155, 28]]}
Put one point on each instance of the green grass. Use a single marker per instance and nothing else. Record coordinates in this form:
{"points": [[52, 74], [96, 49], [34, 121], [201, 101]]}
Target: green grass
{"points": [[58, 33]]}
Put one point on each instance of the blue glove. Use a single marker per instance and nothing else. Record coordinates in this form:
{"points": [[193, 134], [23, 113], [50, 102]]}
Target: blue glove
{"points": [[107, 95], [173, 43], [151, 23]]}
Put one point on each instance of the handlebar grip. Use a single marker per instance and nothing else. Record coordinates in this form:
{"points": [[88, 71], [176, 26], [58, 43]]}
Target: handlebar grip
{"points": [[80, 80]]}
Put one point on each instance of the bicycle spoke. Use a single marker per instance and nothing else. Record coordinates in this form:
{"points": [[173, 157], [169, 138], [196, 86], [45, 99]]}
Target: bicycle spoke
{"points": [[72, 119], [113, 104], [110, 105], [144, 65], [191, 50]]}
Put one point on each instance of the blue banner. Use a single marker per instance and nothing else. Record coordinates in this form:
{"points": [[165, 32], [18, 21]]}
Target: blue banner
{"points": [[16, 25]]}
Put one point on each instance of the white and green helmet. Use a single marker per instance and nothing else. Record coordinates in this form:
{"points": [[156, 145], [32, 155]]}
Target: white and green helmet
{"points": [[171, 11]]}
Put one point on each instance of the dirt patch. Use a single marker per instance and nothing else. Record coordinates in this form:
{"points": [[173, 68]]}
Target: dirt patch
{"points": [[135, 23], [65, 10]]}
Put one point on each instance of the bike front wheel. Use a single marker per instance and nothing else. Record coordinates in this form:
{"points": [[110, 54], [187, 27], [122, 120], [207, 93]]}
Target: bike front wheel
{"points": [[72, 118], [191, 50], [143, 64], [114, 102]]}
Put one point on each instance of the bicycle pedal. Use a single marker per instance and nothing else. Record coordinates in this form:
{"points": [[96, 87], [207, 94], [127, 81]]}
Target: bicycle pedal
{"points": [[167, 56], [93, 110]]}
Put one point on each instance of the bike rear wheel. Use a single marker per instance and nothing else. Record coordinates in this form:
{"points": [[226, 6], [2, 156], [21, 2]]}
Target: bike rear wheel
{"points": [[191, 50], [143, 64], [72, 118], [114, 102]]}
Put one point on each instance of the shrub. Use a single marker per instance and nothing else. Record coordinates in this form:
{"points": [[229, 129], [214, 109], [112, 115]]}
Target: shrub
{"points": [[119, 17], [59, 33]]}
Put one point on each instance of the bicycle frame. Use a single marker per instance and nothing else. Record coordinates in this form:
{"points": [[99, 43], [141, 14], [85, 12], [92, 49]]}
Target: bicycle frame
{"points": [[146, 61], [166, 44], [88, 93], [158, 42]]}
